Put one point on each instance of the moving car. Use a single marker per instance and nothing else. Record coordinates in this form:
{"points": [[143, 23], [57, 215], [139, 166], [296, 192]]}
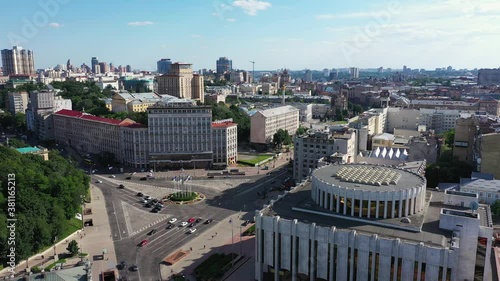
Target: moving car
{"points": [[192, 230], [172, 220], [123, 265], [112, 176], [198, 220], [98, 181], [184, 223], [170, 226], [191, 224], [143, 243], [245, 223], [152, 231], [144, 179], [134, 267], [191, 220], [140, 194], [147, 197], [128, 178], [121, 186], [208, 221]]}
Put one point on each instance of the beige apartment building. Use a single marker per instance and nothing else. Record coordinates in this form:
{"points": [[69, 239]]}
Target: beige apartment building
{"points": [[225, 142], [264, 124], [181, 82], [17, 102], [133, 102]]}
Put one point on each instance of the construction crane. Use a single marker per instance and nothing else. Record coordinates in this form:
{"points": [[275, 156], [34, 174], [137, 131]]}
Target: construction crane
{"points": [[253, 70]]}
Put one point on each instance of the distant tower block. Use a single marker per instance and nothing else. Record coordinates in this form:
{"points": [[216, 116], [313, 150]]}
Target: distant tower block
{"points": [[385, 98]]}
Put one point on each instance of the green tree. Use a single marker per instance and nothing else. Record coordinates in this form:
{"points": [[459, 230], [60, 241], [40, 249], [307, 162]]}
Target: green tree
{"points": [[495, 208], [301, 130], [73, 248], [280, 138], [449, 138]]}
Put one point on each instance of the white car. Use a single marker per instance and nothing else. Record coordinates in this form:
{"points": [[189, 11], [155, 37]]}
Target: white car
{"points": [[147, 197], [173, 220], [184, 223], [112, 176], [192, 230], [99, 181]]}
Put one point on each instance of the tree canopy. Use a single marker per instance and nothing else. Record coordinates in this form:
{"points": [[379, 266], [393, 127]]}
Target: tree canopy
{"points": [[221, 111], [48, 194], [281, 137]]}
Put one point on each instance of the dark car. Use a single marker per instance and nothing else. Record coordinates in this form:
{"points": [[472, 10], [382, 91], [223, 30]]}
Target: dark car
{"points": [[148, 205], [121, 186], [122, 265], [245, 223], [191, 224], [144, 179], [208, 221], [154, 210], [140, 194], [128, 178], [170, 226], [198, 220], [152, 232], [134, 268]]}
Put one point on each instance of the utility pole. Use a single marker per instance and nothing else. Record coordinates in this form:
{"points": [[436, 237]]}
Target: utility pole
{"points": [[253, 70]]}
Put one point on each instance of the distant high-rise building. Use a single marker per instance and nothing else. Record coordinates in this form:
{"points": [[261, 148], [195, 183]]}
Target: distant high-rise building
{"points": [[95, 65], [380, 69], [334, 74], [68, 65], [181, 82], [449, 69], [326, 73], [354, 72], [129, 68], [163, 66], [309, 76], [405, 68], [224, 65], [18, 61], [487, 77], [111, 68], [104, 67]]}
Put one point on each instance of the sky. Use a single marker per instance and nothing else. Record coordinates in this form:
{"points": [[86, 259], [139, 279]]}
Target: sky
{"points": [[293, 34]]}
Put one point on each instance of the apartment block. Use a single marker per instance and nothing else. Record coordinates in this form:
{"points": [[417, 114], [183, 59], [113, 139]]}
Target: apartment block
{"points": [[264, 124], [402, 118], [489, 154], [337, 144], [488, 77], [17, 102], [181, 82], [440, 120], [41, 105], [18, 61], [225, 142]]}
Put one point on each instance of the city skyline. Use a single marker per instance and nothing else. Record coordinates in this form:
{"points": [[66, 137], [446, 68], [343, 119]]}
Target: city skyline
{"points": [[425, 34]]}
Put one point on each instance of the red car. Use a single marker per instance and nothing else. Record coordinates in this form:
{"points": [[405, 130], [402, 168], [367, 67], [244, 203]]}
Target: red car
{"points": [[143, 243], [191, 220]]}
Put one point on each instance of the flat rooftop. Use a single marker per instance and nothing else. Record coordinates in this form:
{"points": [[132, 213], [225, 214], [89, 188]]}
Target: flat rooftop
{"points": [[371, 175], [424, 227]]}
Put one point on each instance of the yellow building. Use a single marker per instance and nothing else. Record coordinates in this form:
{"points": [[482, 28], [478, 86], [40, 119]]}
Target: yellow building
{"points": [[133, 102]]}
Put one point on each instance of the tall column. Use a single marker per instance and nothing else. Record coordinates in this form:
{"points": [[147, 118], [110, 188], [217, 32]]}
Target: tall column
{"points": [[345, 201], [338, 202], [377, 205], [353, 203], [393, 207], [276, 249], [361, 205], [259, 254], [331, 201], [385, 205], [369, 206], [407, 204], [312, 258], [294, 250]]}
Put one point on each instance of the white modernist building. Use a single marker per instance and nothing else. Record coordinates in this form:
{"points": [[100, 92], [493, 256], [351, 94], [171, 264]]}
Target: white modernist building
{"points": [[264, 124], [370, 222]]}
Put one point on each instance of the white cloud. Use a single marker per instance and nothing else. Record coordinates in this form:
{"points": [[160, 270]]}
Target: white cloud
{"points": [[140, 23], [55, 25], [251, 7], [231, 19]]}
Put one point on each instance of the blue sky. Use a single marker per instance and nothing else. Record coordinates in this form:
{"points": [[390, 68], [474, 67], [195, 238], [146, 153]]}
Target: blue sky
{"points": [[295, 34]]}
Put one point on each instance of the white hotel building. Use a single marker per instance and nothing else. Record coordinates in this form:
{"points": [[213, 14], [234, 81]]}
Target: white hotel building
{"points": [[264, 124]]}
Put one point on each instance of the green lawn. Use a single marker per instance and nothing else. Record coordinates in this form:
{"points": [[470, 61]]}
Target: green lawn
{"points": [[250, 231], [182, 196], [213, 267], [48, 268], [255, 159]]}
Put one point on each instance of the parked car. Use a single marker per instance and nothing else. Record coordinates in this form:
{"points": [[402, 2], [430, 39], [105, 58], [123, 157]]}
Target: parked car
{"points": [[191, 220], [153, 231], [143, 243], [112, 176], [123, 265], [155, 210], [121, 186], [208, 221], [170, 226], [198, 220], [147, 197], [128, 178], [191, 224], [98, 181], [144, 179], [184, 223], [245, 223], [192, 230], [140, 194], [134, 267], [172, 220]]}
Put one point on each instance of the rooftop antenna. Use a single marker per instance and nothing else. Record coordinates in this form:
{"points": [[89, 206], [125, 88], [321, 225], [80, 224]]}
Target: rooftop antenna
{"points": [[253, 70]]}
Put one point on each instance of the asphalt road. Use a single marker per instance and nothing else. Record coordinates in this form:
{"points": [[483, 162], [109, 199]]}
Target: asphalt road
{"points": [[218, 205]]}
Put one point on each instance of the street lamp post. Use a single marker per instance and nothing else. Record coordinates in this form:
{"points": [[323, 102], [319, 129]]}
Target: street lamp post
{"points": [[82, 198]]}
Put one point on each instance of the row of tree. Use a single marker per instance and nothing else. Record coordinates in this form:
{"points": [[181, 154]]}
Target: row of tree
{"points": [[47, 195], [221, 111]]}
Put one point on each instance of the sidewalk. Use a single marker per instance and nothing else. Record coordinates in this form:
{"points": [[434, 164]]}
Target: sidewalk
{"points": [[91, 240], [208, 243]]}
